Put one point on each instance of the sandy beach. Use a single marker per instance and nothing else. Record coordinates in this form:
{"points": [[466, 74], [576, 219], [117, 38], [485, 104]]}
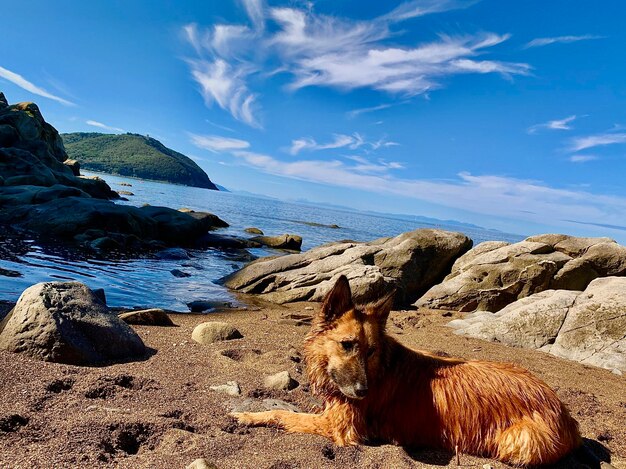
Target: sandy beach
{"points": [[161, 412]]}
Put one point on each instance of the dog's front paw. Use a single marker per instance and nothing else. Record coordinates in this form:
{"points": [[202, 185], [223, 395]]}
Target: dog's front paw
{"points": [[244, 418]]}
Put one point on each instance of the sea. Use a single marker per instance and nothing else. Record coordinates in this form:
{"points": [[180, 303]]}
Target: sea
{"points": [[147, 281]]}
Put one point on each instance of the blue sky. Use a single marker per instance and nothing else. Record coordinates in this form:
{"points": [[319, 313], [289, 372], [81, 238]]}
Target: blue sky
{"points": [[506, 114]]}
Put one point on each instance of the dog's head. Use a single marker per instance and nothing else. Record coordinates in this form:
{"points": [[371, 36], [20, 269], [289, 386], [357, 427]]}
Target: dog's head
{"points": [[344, 348]]}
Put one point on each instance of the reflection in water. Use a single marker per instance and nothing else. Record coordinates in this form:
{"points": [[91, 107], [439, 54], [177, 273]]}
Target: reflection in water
{"points": [[148, 281]]}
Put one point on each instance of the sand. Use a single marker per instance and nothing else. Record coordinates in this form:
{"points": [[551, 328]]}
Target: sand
{"points": [[161, 412]]}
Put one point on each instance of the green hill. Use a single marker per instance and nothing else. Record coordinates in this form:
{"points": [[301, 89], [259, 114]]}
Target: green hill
{"points": [[136, 156]]}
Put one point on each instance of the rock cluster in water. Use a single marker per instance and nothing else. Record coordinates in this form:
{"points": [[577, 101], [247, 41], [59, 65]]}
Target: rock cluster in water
{"points": [[41, 191]]}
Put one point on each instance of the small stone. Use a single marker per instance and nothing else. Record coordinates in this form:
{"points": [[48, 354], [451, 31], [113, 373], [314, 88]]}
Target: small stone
{"points": [[147, 317], [201, 463], [209, 332], [487, 466], [277, 404], [231, 388], [309, 308], [281, 381], [253, 230], [179, 273]]}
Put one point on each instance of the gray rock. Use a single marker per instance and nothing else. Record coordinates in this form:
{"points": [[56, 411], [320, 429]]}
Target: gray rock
{"points": [[281, 381], [589, 326], [67, 323], [411, 263], [209, 332], [147, 317], [287, 241], [494, 274], [179, 273], [253, 230]]}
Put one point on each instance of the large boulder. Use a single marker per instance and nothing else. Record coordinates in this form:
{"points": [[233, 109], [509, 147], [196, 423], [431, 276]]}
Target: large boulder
{"points": [[68, 323], [588, 326], [411, 262], [495, 274]]}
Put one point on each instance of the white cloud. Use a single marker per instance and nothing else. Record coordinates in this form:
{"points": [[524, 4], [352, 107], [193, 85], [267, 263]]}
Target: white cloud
{"points": [[559, 124], [416, 8], [357, 112], [326, 51], [591, 141], [217, 143], [352, 142], [486, 194], [23, 83], [546, 41], [254, 9], [103, 126], [582, 158]]}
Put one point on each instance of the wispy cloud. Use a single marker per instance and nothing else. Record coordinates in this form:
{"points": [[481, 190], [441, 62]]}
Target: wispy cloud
{"points": [[217, 143], [591, 141], [100, 125], [559, 124], [326, 51], [416, 8], [582, 158], [487, 194], [352, 142], [23, 83], [546, 41], [364, 110]]}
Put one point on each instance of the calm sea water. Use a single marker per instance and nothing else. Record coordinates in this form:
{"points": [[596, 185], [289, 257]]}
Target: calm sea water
{"points": [[148, 282]]}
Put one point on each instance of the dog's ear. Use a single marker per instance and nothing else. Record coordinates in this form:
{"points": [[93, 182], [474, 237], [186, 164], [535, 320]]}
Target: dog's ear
{"points": [[381, 308], [338, 300]]}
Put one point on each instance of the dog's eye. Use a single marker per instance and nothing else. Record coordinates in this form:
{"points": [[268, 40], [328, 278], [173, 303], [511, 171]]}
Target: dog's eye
{"points": [[370, 352], [347, 345]]}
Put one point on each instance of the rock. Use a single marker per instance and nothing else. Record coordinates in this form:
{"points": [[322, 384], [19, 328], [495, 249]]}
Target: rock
{"points": [[201, 306], [286, 241], [589, 326], [100, 294], [67, 323], [280, 382], [201, 463], [495, 274], [594, 330], [209, 332], [147, 317], [411, 262], [253, 230], [74, 166], [125, 193], [126, 184], [231, 388], [208, 220], [179, 273], [3, 101], [530, 322], [211, 240], [277, 404], [173, 254]]}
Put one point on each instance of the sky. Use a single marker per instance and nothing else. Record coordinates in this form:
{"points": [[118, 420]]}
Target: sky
{"points": [[507, 114]]}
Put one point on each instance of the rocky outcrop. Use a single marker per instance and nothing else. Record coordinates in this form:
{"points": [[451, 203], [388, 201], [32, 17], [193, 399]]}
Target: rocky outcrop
{"points": [[40, 191], [411, 263], [495, 274], [68, 323], [588, 326]]}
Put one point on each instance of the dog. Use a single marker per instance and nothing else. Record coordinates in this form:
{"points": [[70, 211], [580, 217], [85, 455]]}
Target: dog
{"points": [[377, 390]]}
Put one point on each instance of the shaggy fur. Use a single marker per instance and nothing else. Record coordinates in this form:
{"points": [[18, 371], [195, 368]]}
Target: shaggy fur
{"points": [[375, 389]]}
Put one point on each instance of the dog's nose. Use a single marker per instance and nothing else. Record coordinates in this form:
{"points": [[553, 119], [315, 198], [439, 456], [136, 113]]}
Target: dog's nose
{"points": [[360, 390]]}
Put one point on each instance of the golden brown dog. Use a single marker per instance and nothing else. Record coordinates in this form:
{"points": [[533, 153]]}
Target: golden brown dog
{"points": [[374, 388]]}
